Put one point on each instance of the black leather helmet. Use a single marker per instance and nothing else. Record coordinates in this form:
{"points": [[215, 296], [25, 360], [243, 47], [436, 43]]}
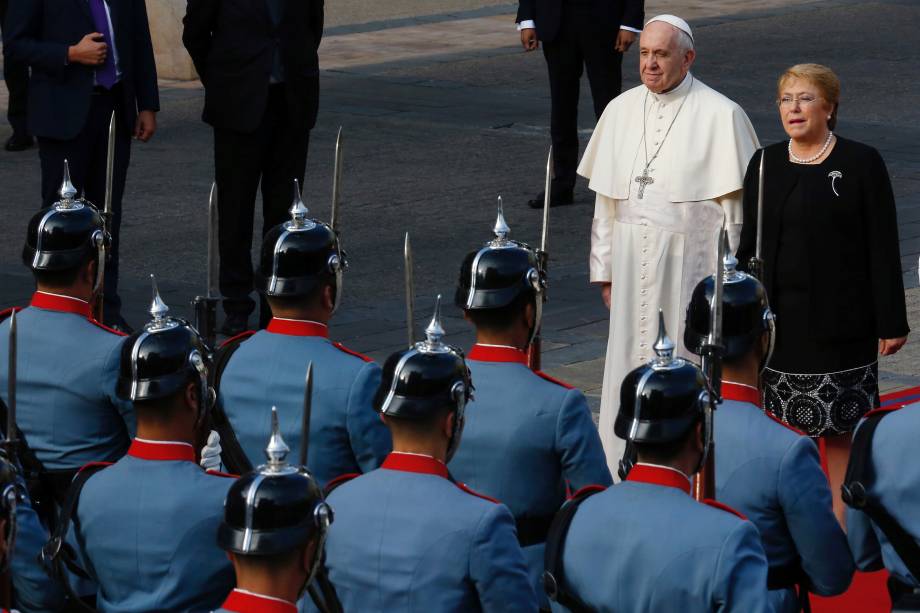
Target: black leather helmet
{"points": [[66, 234], [276, 508], [746, 313], [299, 254]]}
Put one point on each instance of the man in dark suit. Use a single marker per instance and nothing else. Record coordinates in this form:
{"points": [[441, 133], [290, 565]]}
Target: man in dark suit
{"points": [[89, 58], [259, 65], [577, 35], [16, 76]]}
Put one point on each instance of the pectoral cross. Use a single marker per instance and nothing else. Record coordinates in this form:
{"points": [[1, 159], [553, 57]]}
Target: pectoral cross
{"points": [[643, 180]]}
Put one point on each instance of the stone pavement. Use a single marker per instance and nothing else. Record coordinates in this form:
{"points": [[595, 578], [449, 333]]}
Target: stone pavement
{"points": [[442, 112]]}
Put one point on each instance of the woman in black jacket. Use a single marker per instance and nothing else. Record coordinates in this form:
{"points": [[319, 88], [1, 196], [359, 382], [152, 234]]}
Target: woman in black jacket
{"points": [[831, 266]]}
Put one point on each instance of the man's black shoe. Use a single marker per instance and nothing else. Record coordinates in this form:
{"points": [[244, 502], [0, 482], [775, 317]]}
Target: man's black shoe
{"points": [[19, 142], [560, 198], [234, 324]]}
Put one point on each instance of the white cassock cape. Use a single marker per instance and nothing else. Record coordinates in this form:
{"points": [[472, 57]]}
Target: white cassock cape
{"points": [[656, 249]]}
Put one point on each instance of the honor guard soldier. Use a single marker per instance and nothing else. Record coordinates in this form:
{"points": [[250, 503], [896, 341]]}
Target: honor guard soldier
{"points": [[145, 527], [645, 544], [765, 469], [274, 530], [301, 276], [406, 536], [528, 437], [68, 408], [882, 491]]}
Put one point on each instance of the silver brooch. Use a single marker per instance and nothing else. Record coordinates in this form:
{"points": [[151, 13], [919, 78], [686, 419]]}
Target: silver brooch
{"points": [[834, 175]]}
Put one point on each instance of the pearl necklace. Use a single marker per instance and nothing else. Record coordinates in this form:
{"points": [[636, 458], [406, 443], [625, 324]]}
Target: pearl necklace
{"points": [[799, 160]]}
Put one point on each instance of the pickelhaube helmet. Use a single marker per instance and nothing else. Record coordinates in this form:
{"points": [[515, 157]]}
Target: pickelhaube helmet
{"points": [[495, 275], [66, 234], [275, 508], [159, 359], [425, 378], [746, 313], [300, 253], [662, 400]]}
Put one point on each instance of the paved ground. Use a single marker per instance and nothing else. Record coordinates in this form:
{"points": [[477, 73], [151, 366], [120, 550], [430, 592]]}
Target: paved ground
{"points": [[442, 112]]}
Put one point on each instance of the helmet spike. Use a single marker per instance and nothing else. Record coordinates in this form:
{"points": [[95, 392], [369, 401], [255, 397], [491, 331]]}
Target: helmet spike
{"points": [[67, 190], [434, 331], [298, 210], [277, 449], [501, 228], [158, 308], [664, 346]]}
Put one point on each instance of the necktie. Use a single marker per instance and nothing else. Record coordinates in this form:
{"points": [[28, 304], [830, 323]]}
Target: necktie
{"points": [[105, 74]]}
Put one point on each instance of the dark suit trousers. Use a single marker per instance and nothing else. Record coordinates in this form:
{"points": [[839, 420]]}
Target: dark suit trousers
{"points": [[86, 155], [272, 155], [582, 43], [16, 76]]}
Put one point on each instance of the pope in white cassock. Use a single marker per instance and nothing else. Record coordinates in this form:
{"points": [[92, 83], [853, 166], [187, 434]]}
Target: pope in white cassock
{"points": [[667, 161]]}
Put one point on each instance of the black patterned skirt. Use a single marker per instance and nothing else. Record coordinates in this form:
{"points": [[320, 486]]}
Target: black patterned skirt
{"points": [[820, 404]]}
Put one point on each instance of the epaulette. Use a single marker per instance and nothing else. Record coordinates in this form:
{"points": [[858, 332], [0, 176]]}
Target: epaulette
{"points": [[106, 328], [8, 312], [333, 484], [342, 347], [239, 338], [588, 489], [783, 424], [218, 473], [90, 465], [473, 492], [724, 507], [543, 375]]}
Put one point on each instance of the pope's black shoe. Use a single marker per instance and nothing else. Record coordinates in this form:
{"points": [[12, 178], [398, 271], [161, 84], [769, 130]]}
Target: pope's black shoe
{"points": [[561, 197]]}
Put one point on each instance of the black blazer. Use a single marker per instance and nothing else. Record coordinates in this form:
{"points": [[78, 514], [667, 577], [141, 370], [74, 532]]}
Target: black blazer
{"points": [[232, 43], [38, 33], [854, 257], [547, 14]]}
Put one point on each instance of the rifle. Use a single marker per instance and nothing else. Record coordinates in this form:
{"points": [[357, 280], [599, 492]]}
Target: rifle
{"points": [[534, 352], [755, 264], [206, 306], [101, 247]]}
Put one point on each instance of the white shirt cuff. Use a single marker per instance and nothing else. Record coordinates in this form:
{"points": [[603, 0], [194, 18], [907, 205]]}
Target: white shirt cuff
{"points": [[631, 29], [527, 24]]}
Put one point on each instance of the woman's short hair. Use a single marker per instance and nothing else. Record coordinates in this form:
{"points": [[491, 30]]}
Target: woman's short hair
{"points": [[821, 77]]}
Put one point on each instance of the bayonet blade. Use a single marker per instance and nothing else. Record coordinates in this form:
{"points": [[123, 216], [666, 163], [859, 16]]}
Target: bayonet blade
{"points": [[337, 181], [410, 291], [11, 384], [547, 198], [307, 413], [213, 265], [109, 171], [757, 245], [715, 328]]}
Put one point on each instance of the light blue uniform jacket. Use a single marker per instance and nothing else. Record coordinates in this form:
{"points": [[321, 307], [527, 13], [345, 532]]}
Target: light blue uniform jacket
{"points": [[772, 474], [527, 438], [896, 485], [407, 539], [642, 546], [67, 369], [269, 368], [146, 532]]}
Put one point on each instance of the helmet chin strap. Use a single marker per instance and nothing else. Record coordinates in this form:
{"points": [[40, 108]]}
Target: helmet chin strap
{"points": [[706, 397], [459, 393], [537, 317], [770, 322]]}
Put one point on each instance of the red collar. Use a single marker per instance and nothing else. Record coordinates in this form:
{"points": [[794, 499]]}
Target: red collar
{"points": [[297, 327], [414, 463], [659, 475], [246, 602], [741, 393], [62, 304], [161, 450], [496, 353]]}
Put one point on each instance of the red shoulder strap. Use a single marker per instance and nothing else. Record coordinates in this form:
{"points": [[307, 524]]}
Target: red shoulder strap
{"points": [[724, 507], [543, 375], [588, 490], [473, 492], [339, 481], [218, 473], [105, 327], [91, 465], [782, 423], [239, 338], [883, 410], [342, 347], [8, 312]]}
